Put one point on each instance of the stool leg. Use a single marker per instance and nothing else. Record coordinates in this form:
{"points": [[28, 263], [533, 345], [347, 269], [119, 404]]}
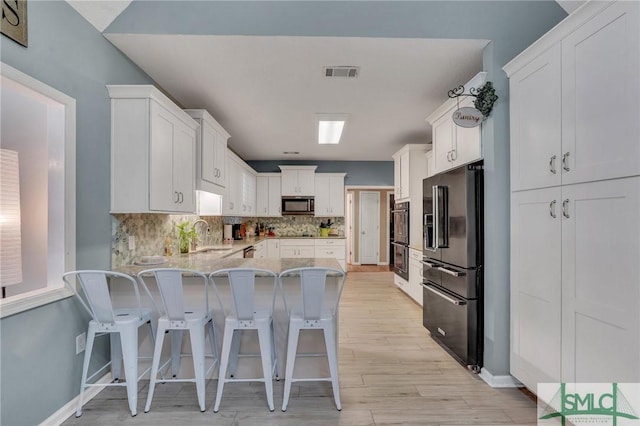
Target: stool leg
{"points": [[235, 352], [332, 356], [264, 336], [274, 353], [197, 350], [116, 356], [292, 348], [157, 353], [129, 339], [213, 341], [224, 363], [176, 350], [91, 336]]}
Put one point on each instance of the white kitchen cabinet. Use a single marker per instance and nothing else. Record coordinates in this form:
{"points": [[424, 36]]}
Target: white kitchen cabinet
{"points": [[297, 247], [240, 199], [410, 169], [298, 180], [574, 277], [211, 152], [273, 248], [260, 250], [329, 194], [268, 197], [413, 170], [428, 157], [414, 285], [152, 152], [535, 116], [600, 290], [334, 248], [536, 286], [453, 145]]}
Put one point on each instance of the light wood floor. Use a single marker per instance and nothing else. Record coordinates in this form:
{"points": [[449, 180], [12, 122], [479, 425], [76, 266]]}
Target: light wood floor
{"points": [[391, 372]]}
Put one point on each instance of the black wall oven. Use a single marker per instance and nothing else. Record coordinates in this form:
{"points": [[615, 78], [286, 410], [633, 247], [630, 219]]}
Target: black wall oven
{"points": [[401, 239], [452, 262]]}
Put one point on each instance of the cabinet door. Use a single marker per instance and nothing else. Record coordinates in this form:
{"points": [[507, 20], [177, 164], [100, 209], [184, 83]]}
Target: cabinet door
{"points": [[535, 108], [289, 182], [306, 182], [405, 166], [220, 160], [275, 197], [162, 195], [207, 152], [442, 143], [273, 248], [468, 147], [306, 251], [248, 192], [184, 144], [415, 280], [600, 290], [336, 194], [600, 87], [396, 177], [536, 286], [322, 195], [262, 196], [288, 251], [231, 205]]}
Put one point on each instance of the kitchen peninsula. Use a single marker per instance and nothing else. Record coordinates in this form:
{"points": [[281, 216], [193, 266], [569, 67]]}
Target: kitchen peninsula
{"points": [[214, 259]]}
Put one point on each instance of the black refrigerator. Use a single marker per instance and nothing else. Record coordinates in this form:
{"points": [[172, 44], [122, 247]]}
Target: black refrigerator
{"points": [[452, 262]]}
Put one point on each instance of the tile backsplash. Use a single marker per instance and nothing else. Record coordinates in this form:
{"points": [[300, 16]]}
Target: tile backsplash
{"points": [[151, 231]]}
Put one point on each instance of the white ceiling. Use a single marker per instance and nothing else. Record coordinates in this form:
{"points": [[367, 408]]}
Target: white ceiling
{"points": [[266, 91]]}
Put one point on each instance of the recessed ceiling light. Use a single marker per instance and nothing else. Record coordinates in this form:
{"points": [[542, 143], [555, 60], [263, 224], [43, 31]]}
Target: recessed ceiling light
{"points": [[330, 128], [291, 152]]}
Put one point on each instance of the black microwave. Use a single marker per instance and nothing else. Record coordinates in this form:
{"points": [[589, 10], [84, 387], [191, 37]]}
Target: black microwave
{"points": [[297, 205]]}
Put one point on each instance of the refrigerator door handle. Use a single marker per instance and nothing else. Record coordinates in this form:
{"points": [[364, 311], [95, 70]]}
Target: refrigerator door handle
{"points": [[446, 297], [436, 224], [451, 272]]}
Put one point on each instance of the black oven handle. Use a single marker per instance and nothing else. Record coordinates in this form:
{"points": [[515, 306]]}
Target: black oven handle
{"points": [[446, 297]]}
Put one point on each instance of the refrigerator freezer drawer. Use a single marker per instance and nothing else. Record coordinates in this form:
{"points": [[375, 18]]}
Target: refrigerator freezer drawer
{"points": [[454, 323]]}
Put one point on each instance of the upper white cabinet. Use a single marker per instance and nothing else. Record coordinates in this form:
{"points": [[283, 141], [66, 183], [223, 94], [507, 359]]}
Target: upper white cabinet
{"points": [[575, 201], [409, 169], [240, 194], [329, 194], [428, 157], [268, 197], [152, 152], [412, 170], [211, 152], [453, 145], [298, 180]]}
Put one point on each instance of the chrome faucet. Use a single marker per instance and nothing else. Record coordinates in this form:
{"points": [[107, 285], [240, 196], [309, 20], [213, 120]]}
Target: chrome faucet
{"points": [[196, 229]]}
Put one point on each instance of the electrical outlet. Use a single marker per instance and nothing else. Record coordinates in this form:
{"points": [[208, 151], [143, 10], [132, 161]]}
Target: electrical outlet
{"points": [[81, 342], [132, 242]]}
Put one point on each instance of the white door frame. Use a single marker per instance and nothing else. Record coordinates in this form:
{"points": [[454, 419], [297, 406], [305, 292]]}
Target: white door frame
{"points": [[349, 226], [388, 223], [377, 235]]}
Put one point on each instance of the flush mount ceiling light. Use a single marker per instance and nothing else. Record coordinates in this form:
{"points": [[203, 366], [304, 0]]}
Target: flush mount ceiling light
{"points": [[330, 127]]}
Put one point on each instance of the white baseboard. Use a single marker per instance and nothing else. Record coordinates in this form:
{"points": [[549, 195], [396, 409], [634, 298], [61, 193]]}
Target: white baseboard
{"points": [[69, 409], [506, 381]]}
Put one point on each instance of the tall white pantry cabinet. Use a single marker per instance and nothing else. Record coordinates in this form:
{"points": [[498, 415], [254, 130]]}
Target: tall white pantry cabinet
{"points": [[575, 200]]}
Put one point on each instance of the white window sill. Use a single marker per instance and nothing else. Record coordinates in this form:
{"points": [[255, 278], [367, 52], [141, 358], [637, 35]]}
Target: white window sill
{"points": [[24, 302]]}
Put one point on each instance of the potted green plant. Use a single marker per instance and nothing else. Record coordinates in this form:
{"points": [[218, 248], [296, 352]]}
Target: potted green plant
{"points": [[186, 234]]}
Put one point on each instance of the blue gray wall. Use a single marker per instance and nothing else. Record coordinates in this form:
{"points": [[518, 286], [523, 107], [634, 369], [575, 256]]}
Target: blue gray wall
{"points": [[511, 26], [360, 173], [39, 370]]}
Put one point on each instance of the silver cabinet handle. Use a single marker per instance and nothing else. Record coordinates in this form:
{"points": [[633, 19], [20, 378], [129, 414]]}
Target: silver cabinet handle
{"points": [[444, 296], [454, 155], [177, 197], [449, 156], [565, 163], [552, 209], [565, 208], [450, 272], [552, 164]]}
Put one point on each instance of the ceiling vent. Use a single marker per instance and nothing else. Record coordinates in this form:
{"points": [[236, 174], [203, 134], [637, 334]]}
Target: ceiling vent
{"points": [[345, 71]]}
